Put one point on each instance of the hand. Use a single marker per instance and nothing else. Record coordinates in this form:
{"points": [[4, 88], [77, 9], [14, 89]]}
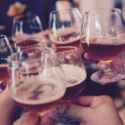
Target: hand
{"points": [[30, 118], [3, 84], [91, 110], [43, 35], [118, 64], [8, 108]]}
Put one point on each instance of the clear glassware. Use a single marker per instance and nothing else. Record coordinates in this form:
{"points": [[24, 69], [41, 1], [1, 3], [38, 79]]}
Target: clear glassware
{"points": [[64, 28], [28, 42], [103, 37], [37, 83], [5, 53], [24, 26], [75, 73]]}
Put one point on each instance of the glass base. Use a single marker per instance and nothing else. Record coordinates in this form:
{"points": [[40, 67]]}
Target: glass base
{"points": [[101, 77]]}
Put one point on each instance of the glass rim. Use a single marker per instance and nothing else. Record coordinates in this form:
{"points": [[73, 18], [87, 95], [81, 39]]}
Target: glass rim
{"points": [[97, 14], [29, 38], [63, 11], [8, 43], [22, 51], [61, 47], [16, 18], [4, 36]]}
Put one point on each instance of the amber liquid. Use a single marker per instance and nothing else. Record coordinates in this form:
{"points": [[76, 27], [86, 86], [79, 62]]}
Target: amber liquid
{"points": [[38, 96], [38, 107], [65, 40], [75, 82], [3, 72], [27, 43], [73, 91], [103, 51]]}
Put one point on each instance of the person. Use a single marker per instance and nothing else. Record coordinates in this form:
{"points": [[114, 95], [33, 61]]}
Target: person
{"points": [[30, 118], [10, 112], [42, 8], [91, 110], [88, 110], [9, 9], [118, 64]]}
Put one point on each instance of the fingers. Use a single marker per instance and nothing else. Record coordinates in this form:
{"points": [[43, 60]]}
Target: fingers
{"points": [[43, 35], [102, 66], [83, 100], [46, 32], [69, 110], [28, 118], [92, 101], [87, 56], [49, 118]]}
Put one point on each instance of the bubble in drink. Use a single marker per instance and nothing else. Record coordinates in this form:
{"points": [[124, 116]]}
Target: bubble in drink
{"points": [[38, 96], [67, 38], [75, 81]]}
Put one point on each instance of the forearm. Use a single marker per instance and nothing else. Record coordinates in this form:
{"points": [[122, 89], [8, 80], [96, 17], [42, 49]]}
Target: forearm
{"points": [[8, 109]]}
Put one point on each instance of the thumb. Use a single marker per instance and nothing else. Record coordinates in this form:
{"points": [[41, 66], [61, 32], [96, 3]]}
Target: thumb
{"points": [[70, 110], [28, 118], [49, 118]]}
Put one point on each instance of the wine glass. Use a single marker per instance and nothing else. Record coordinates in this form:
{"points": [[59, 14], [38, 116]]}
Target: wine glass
{"points": [[37, 83], [28, 42], [64, 28], [25, 25], [103, 37], [75, 73], [5, 52]]}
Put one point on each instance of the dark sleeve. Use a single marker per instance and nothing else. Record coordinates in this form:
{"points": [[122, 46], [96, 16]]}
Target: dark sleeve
{"points": [[118, 4]]}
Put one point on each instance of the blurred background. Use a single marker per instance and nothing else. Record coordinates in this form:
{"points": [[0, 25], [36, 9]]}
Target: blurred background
{"points": [[9, 9]]}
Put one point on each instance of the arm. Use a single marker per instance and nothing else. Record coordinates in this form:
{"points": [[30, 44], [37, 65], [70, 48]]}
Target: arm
{"points": [[92, 110], [8, 109], [118, 64]]}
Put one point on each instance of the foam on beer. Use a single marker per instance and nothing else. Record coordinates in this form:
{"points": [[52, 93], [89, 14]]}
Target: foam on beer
{"points": [[60, 34], [48, 90], [74, 74], [4, 65]]}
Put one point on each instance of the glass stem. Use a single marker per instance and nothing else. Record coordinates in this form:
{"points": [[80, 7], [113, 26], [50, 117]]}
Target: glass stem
{"points": [[108, 69]]}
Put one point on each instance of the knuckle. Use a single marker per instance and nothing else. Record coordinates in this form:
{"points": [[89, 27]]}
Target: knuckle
{"points": [[106, 97], [16, 122]]}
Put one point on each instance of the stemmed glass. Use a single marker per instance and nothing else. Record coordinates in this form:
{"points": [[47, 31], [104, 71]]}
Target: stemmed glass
{"points": [[103, 37], [36, 83], [75, 73], [25, 25], [5, 52], [28, 42], [64, 28]]}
